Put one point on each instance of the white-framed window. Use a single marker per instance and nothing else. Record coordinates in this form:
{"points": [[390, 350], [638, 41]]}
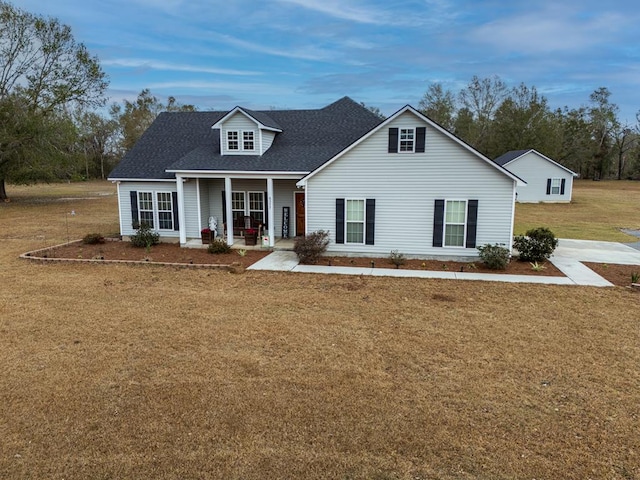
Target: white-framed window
{"points": [[155, 209], [233, 142], [145, 209], [256, 206], [455, 219], [354, 221], [165, 210], [238, 203], [248, 140], [406, 140], [555, 186]]}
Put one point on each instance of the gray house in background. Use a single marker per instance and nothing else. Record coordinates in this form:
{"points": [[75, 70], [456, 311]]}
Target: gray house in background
{"points": [[547, 181], [375, 185]]}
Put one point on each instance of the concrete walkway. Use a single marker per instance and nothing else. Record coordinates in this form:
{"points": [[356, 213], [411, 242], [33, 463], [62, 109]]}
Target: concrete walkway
{"points": [[566, 258]]}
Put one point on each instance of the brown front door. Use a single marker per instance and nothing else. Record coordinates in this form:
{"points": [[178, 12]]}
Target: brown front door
{"points": [[300, 225]]}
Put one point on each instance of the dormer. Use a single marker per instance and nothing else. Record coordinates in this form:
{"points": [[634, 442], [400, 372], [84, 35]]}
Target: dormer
{"points": [[245, 132]]}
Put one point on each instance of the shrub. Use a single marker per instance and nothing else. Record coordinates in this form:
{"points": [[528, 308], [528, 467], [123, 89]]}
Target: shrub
{"points": [[397, 258], [311, 247], [536, 246], [495, 257], [145, 237], [218, 245], [93, 239]]}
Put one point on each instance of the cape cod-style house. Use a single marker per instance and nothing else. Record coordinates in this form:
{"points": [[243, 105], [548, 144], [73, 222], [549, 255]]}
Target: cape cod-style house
{"points": [[404, 183]]}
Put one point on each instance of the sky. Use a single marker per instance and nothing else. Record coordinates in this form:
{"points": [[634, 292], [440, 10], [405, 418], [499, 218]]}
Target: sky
{"points": [[308, 53]]}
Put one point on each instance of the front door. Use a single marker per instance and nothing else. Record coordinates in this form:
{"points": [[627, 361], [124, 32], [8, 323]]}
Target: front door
{"points": [[300, 225]]}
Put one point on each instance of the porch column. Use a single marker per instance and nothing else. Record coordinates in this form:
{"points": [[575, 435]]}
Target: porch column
{"points": [[229, 211], [271, 216], [199, 206], [181, 220]]}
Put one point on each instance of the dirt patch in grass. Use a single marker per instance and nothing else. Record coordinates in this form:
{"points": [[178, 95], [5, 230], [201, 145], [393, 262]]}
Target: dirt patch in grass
{"points": [[619, 275], [163, 252]]}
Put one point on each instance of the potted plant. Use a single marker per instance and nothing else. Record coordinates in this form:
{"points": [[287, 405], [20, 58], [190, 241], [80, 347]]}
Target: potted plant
{"points": [[206, 235], [250, 236]]}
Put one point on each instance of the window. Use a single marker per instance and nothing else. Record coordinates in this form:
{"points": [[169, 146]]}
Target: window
{"points": [[237, 206], [406, 140], [145, 208], [555, 186], [256, 206], [355, 221], [232, 140], [165, 211], [247, 141], [455, 219]]}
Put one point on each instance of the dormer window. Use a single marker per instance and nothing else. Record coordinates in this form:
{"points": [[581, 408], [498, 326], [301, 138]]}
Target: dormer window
{"points": [[241, 140], [407, 136], [247, 141], [232, 140]]}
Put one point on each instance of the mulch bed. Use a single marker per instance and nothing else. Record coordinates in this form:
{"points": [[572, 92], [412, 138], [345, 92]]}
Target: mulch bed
{"points": [[163, 252], [514, 267], [619, 275]]}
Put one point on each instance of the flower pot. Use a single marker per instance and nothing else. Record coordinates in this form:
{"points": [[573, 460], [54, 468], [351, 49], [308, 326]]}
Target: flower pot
{"points": [[250, 239], [207, 237]]}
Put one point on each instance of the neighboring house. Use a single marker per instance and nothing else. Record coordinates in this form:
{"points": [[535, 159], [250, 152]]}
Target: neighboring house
{"points": [[547, 181], [403, 183]]}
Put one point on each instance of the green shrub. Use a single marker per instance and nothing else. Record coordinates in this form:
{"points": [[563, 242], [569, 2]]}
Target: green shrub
{"points": [[397, 258], [145, 237], [311, 247], [536, 246], [218, 245], [495, 257], [93, 239]]}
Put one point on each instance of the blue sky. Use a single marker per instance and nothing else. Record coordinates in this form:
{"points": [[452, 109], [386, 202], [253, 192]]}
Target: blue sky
{"points": [[308, 53]]}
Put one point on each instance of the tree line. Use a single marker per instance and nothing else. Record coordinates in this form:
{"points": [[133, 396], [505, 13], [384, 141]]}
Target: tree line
{"points": [[55, 123], [590, 140]]}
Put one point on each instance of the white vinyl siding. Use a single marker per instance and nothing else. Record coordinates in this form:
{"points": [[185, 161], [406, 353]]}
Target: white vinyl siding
{"points": [[244, 132], [405, 188], [536, 170], [124, 204]]}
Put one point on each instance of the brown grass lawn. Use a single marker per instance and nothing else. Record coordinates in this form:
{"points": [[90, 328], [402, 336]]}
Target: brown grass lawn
{"points": [[597, 212], [112, 371]]}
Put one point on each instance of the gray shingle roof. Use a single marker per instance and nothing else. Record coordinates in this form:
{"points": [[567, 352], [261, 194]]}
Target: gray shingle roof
{"points": [[512, 155], [185, 141]]}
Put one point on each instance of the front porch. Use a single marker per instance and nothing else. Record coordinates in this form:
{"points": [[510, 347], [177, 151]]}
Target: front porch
{"points": [[238, 244]]}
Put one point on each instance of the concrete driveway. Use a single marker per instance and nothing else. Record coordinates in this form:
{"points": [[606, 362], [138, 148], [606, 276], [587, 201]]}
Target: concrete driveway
{"points": [[570, 253]]}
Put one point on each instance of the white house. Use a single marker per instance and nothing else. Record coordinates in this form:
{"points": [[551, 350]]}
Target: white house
{"points": [[376, 185], [547, 181]]}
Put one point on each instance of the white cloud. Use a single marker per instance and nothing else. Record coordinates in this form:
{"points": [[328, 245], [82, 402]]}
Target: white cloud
{"points": [[556, 29], [156, 65]]}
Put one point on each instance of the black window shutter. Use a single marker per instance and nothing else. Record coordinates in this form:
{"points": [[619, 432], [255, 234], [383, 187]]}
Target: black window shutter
{"points": [[393, 140], [472, 223], [548, 186], [370, 222], [421, 134], [265, 203], [174, 200], [438, 223], [562, 186], [135, 221], [224, 208], [339, 220]]}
